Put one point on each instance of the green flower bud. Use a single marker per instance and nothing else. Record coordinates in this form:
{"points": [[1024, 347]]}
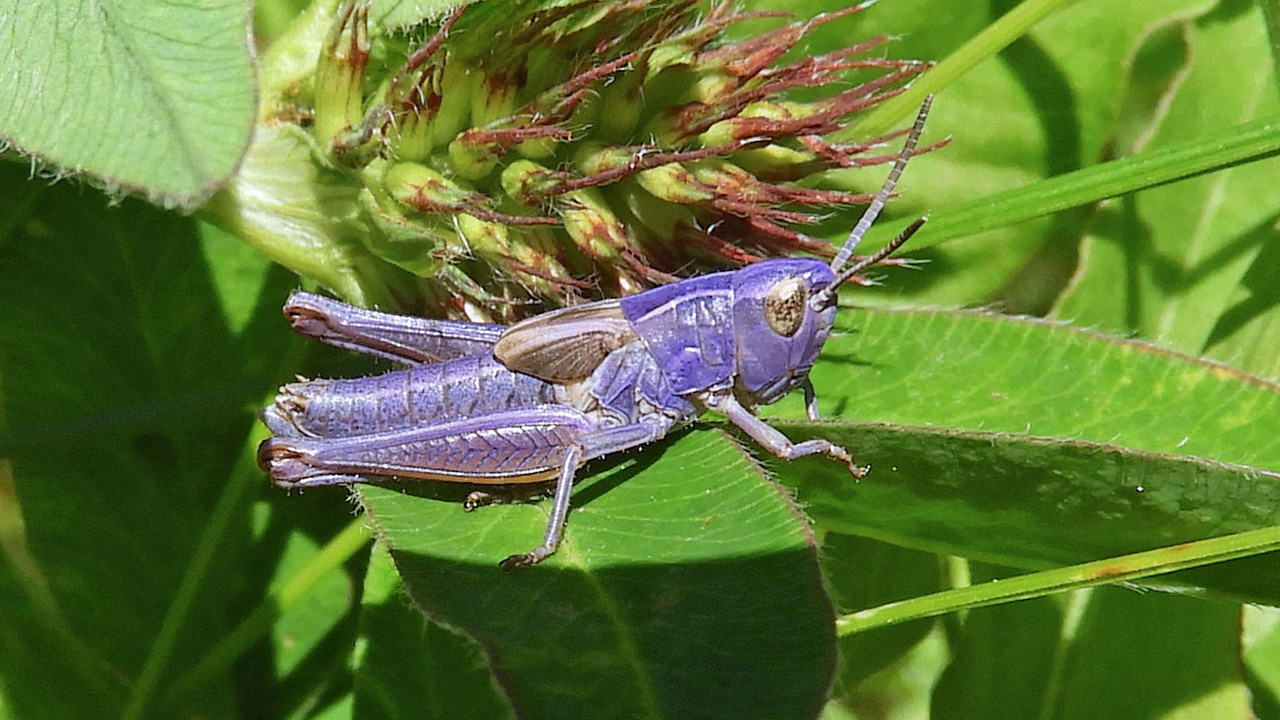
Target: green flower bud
{"points": [[527, 182], [340, 72], [426, 190], [675, 183], [493, 99], [474, 159], [531, 152], [592, 225], [621, 104], [456, 85]]}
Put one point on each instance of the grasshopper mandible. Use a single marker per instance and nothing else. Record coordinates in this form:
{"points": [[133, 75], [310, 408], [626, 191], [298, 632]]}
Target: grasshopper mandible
{"points": [[533, 402]]}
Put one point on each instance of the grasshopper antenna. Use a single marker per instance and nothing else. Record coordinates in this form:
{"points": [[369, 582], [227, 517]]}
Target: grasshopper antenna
{"points": [[877, 204], [826, 295]]}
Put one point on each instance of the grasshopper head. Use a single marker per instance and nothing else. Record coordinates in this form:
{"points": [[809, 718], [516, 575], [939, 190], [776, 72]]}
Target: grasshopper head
{"points": [[779, 330], [783, 309]]}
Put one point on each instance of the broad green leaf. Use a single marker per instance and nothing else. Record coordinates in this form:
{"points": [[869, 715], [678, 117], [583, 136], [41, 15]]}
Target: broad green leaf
{"points": [[125, 402], [673, 579], [1166, 265], [864, 573], [408, 666], [397, 14], [991, 373], [1004, 661], [1176, 658], [1029, 502], [152, 97], [1085, 447], [1041, 108]]}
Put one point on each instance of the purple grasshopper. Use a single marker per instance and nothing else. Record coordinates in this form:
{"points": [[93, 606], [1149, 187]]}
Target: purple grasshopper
{"points": [[534, 402]]}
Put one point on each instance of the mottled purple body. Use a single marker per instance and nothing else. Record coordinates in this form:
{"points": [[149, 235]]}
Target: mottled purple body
{"points": [[688, 328], [471, 418], [690, 331], [631, 377], [461, 388], [466, 418]]}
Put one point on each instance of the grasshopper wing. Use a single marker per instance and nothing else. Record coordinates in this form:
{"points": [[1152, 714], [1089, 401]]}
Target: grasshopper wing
{"points": [[565, 345], [399, 338]]}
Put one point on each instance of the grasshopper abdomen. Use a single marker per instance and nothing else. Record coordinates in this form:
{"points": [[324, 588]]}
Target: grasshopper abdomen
{"points": [[461, 388]]}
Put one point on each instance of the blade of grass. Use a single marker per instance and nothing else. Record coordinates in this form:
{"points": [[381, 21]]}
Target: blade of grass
{"points": [[1249, 142], [996, 37], [331, 557], [1271, 16], [1101, 572], [243, 477]]}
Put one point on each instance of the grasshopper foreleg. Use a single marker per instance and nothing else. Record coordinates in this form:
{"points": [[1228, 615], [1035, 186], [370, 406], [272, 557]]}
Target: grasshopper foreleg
{"points": [[773, 440], [810, 399]]}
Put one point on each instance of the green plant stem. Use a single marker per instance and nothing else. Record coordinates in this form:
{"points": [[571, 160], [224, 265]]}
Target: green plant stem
{"points": [[291, 57], [996, 37], [1257, 140], [1271, 17], [244, 476], [331, 557], [91, 671], [1100, 572]]}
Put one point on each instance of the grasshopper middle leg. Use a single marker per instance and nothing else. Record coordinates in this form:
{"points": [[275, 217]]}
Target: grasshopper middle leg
{"points": [[592, 445]]}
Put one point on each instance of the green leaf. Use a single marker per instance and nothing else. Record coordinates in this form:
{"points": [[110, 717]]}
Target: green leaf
{"points": [[120, 449], [1086, 447], [672, 578], [407, 666], [1029, 502], [969, 370], [1004, 663], [156, 98], [1179, 659], [1178, 254]]}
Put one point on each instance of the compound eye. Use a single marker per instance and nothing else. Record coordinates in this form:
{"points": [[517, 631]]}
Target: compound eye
{"points": [[785, 305]]}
